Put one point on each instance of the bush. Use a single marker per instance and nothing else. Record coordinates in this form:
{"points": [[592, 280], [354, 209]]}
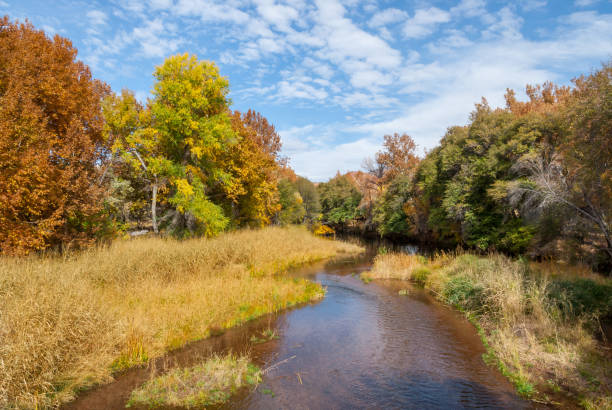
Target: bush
{"points": [[462, 292], [584, 296]]}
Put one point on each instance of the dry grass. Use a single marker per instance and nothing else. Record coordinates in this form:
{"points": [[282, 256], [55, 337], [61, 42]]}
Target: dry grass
{"points": [[534, 338], [211, 382], [67, 323]]}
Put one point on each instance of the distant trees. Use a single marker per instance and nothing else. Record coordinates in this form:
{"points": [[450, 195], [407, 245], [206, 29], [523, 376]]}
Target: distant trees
{"points": [[339, 200], [291, 203], [310, 198], [51, 142], [533, 177]]}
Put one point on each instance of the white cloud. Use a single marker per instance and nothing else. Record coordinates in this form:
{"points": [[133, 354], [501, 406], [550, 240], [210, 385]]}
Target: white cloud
{"points": [[210, 11], [425, 22], [290, 90], [344, 40], [97, 17], [470, 8], [387, 16], [279, 15], [507, 26], [530, 5], [152, 40]]}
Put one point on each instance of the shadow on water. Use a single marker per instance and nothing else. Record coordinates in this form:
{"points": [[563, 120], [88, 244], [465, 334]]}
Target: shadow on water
{"points": [[364, 345]]}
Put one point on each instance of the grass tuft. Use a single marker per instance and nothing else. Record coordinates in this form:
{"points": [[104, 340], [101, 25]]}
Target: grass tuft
{"points": [[211, 382]]}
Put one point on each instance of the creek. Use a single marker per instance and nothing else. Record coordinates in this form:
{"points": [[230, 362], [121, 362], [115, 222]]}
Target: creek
{"points": [[363, 345]]}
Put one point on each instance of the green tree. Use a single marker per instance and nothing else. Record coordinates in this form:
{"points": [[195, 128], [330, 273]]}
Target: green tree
{"points": [[292, 205], [339, 201], [390, 214], [310, 197]]}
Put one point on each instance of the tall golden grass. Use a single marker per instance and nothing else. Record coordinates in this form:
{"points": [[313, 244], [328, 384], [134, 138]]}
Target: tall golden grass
{"points": [[68, 322], [535, 342]]}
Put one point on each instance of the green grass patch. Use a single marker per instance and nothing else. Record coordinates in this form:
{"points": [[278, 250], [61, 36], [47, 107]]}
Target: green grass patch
{"points": [[211, 382]]}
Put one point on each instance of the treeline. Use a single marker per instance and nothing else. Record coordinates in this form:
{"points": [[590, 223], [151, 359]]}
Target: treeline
{"points": [[532, 178], [79, 163]]}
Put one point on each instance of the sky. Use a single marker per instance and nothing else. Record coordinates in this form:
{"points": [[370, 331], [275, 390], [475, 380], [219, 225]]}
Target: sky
{"points": [[335, 76]]}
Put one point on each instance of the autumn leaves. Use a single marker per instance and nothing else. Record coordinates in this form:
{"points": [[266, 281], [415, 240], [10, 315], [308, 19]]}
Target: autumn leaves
{"points": [[79, 162]]}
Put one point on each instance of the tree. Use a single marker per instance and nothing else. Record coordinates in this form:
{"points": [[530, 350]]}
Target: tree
{"points": [[397, 158], [390, 213], [587, 151], [572, 175], [266, 136], [310, 197], [292, 209], [134, 150], [193, 131], [252, 196], [51, 142], [339, 200]]}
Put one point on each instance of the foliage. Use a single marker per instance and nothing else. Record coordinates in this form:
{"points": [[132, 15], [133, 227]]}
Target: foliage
{"points": [[323, 230], [398, 156], [339, 200], [310, 198], [51, 142], [252, 198], [193, 128], [390, 214], [583, 296], [292, 209]]}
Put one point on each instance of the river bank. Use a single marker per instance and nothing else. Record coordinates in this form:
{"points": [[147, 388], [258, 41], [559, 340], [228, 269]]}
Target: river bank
{"points": [[364, 345], [70, 322], [539, 323]]}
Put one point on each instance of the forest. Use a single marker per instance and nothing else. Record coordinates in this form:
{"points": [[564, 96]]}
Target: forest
{"points": [[533, 178], [83, 164]]}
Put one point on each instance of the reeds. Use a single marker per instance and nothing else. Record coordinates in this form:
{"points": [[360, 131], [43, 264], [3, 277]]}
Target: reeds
{"points": [[68, 322]]}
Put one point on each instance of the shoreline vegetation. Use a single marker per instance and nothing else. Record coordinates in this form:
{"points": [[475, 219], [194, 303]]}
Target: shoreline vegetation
{"points": [[538, 321], [69, 322], [209, 383]]}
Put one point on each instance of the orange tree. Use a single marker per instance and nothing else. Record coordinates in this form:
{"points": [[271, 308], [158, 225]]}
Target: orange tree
{"points": [[51, 143]]}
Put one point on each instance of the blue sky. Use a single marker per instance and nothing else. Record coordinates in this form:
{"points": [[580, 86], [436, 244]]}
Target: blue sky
{"points": [[334, 76]]}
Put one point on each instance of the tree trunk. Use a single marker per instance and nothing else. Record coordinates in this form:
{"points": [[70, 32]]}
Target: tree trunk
{"points": [[154, 206]]}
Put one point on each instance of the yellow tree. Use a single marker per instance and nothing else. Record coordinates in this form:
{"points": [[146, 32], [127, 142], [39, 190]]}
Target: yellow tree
{"points": [[192, 131], [252, 194]]}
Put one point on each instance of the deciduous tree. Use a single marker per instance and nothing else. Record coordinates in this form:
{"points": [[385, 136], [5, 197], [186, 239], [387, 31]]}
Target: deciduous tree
{"points": [[51, 142]]}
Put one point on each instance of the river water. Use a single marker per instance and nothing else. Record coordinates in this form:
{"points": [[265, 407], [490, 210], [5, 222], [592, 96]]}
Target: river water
{"points": [[362, 346]]}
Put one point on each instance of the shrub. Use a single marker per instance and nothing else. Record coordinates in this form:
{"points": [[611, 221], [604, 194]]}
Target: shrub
{"points": [[584, 296], [462, 292]]}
